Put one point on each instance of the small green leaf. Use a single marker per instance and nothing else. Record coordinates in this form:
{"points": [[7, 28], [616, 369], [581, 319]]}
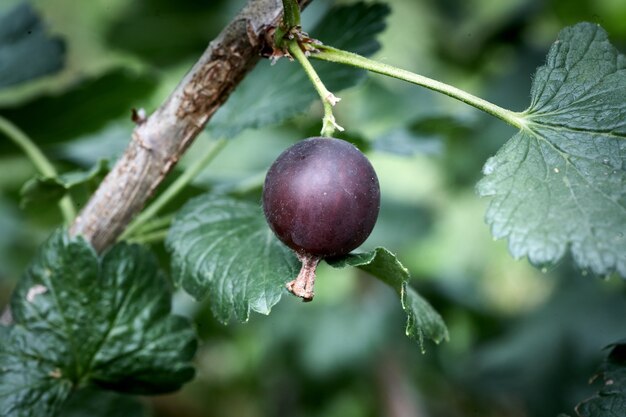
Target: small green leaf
{"points": [[51, 189], [422, 320], [224, 250], [82, 319], [610, 401], [560, 183], [26, 50], [273, 93]]}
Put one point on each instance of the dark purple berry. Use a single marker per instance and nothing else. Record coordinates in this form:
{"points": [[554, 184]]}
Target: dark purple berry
{"points": [[321, 198]]}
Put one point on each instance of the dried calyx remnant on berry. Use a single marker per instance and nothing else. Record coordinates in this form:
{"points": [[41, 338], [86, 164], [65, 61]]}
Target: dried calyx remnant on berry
{"points": [[321, 198]]}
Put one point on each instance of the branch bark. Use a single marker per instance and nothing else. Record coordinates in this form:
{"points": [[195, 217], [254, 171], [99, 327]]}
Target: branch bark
{"points": [[159, 141]]}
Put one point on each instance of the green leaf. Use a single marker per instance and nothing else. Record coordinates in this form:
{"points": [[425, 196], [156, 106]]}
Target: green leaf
{"points": [[85, 108], [610, 401], [83, 319], [224, 250], [561, 181], [273, 93], [422, 320], [97, 403], [107, 143], [29, 385], [51, 189], [164, 33], [26, 50]]}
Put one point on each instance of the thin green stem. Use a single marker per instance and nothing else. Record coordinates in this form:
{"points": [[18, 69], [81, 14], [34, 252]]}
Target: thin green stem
{"points": [[181, 182], [291, 13], [249, 184], [39, 160], [348, 58], [291, 21], [155, 224], [328, 99], [152, 237]]}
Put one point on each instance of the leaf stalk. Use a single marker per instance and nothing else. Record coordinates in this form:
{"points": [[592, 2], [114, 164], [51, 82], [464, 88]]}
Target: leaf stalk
{"points": [[327, 53]]}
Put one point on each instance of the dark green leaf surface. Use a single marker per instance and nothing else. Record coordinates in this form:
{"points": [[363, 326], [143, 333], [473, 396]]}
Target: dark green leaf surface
{"points": [[80, 319], [165, 33], [85, 108], [273, 93], [422, 320], [29, 382], [548, 354], [26, 51], [224, 250], [610, 401], [51, 189], [97, 403], [561, 181]]}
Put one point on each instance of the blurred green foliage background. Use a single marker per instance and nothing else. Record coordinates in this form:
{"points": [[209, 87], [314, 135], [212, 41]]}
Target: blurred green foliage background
{"points": [[524, 341]]}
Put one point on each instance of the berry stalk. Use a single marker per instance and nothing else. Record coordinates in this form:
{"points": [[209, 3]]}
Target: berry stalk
{"points": [[304, 284], [329, 125]]}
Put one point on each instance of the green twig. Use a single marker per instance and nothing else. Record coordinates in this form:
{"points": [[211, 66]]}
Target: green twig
{"points": [[152, 237], [291, 21], [289, 24], [181, 182], [291, 13], [250, 184], [328, 99], [39, 160], [348, 58], [155, 224]]}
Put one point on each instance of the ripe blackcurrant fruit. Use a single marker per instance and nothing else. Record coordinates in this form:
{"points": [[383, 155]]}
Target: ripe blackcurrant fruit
{"points": [[321, 198]]}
